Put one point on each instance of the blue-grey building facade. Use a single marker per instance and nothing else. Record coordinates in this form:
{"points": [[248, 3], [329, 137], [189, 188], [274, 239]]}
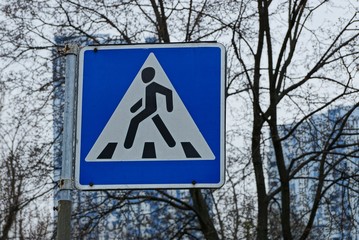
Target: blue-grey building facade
{"points": [[327, 145]]}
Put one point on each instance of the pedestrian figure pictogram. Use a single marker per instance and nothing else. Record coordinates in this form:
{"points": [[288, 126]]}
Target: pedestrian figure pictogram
{"points": [[150, 107]]}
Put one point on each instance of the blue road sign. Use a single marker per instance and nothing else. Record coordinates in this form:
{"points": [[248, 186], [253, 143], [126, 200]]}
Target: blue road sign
{"points": [[151, 116]]}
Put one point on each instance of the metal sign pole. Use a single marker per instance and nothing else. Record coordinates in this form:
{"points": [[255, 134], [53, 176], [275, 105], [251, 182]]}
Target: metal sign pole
{"points": [[65, 202]]}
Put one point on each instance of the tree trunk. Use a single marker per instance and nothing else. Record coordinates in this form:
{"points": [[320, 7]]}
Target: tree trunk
{"points": [[202, 211], [262, 218]]}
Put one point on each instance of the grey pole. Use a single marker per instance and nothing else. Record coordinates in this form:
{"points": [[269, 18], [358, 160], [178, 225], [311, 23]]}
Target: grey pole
{"points": [[65, 201]]}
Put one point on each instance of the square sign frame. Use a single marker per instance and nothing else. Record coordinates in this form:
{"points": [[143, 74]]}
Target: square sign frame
{"points": [[196, 72]]}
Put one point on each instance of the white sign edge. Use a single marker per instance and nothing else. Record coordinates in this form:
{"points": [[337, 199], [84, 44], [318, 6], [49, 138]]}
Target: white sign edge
{"points": [[77, 150]]}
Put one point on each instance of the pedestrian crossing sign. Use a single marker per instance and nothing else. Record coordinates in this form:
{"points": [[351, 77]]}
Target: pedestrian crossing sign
{"points": [[150, 116]]}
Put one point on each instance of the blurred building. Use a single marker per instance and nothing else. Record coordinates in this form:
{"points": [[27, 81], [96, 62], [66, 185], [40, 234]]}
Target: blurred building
{"points": [[337, 217]]}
